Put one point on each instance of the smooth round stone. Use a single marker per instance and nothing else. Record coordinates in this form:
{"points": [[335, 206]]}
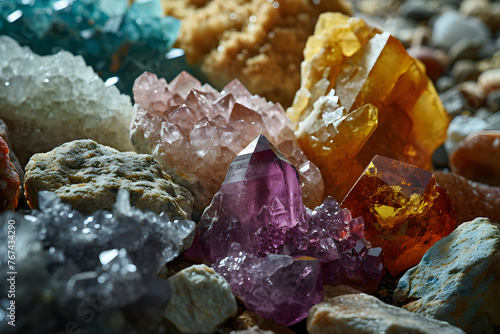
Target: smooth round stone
{"points": [[465, 70], [417, 10], [452, 27], [465, 49], [444, 83], [421, 36], [473, 93], [490, 80], [493, 100], [478, 158], [434, 60]]}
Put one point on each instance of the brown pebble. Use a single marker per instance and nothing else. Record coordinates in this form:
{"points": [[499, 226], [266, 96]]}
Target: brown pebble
{"points": [[478, 158], [471, 199], [489, 80], [249, 319], [338, 290]]}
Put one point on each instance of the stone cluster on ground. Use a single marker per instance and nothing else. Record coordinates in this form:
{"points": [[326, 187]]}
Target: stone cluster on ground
{"points": [[99, 237]]}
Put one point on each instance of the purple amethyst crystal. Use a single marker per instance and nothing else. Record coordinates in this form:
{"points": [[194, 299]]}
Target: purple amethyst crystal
{"points": [[273, 285], [259, 206]]}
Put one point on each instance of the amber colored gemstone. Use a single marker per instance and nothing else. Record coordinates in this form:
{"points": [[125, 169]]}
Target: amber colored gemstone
{"points": [[404, 210], [363, 95], [9, 180], [478, 158]]}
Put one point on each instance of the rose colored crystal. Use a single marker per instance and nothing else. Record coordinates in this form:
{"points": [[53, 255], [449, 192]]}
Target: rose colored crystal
{"points": [[363, 95], [9, 180], [276, 286], [259, 206], [478, 158], [195, 132], [404, 210]]}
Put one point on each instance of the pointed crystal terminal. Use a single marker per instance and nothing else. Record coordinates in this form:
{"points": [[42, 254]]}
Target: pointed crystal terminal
{"points": [[195, 132], [363, 95], [404, 210], [259, 206]]}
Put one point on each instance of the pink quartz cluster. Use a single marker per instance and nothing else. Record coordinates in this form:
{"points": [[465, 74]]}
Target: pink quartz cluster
{"points": [[195, 132], [259, 209]]}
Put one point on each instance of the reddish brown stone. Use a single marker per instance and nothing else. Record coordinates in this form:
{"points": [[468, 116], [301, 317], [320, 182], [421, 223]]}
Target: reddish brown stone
{"points": [[404, 210], [477, 158], [9, 180], [471, 199]]}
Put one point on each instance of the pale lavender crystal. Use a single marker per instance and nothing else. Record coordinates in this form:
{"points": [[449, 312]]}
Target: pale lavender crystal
{"points": [[259, 206], [274, 285], [195, 131]]}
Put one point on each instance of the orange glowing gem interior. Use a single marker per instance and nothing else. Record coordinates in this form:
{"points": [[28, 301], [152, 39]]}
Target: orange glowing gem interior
{"points": [[404, 210]]}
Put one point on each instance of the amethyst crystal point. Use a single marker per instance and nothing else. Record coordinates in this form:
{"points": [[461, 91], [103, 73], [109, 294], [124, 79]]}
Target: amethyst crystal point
{"points": [[274, 285], [259, 206], [195, 132], [258, 202]]}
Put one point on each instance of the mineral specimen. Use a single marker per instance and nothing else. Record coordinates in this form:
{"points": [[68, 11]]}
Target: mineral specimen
{"points": [[275, 285], [259, 206], [385, 104], [120, 43], [478, 158], [88, 175], [458, 279], [201, 300], [59, 99], [195, 132], [259, 42], [404, 210], [360, 313], [471, 199], [9, 180], [71, 266], [4, 133]]}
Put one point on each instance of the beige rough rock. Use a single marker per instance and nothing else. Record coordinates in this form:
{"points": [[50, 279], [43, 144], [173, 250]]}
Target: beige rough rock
{"points": [[361, 313], [201, 300], [249, 321], [258, 42], [87, 175]]}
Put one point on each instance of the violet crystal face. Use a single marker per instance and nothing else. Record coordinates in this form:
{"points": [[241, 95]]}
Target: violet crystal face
{"points": [[259, 210]]}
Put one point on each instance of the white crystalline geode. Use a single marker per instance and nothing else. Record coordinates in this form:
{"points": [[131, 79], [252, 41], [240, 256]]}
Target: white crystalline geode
{"points": [[195, 132], [47, 101]]}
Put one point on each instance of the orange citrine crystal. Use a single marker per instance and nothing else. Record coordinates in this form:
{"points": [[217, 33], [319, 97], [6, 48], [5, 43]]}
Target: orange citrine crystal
{"points": [[404, 210], [361, 95]]}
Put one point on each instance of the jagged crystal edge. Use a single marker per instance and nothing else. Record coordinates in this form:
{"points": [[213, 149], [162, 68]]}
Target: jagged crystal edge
{"points": [[70, 259]]}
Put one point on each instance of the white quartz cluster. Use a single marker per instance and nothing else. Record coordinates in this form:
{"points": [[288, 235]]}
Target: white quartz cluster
{"points": [[47, 101]]}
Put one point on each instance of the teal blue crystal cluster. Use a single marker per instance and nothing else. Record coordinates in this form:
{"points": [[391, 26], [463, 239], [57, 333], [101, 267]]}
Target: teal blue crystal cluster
{"points": [[119, 41]]}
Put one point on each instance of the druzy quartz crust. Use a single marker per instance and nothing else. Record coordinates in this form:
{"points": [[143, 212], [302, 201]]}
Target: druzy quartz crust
{"points": [[118, 39], [258, 211], [68, 262]]}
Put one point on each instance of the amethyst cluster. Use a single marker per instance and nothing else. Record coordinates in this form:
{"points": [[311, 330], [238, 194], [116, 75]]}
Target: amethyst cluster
{"points": [[257, 214]]}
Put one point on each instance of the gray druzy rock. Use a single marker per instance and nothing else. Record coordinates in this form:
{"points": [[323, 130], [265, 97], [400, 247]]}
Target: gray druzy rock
{"points": [[201, 300], [87, 175], [47, 101]]}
